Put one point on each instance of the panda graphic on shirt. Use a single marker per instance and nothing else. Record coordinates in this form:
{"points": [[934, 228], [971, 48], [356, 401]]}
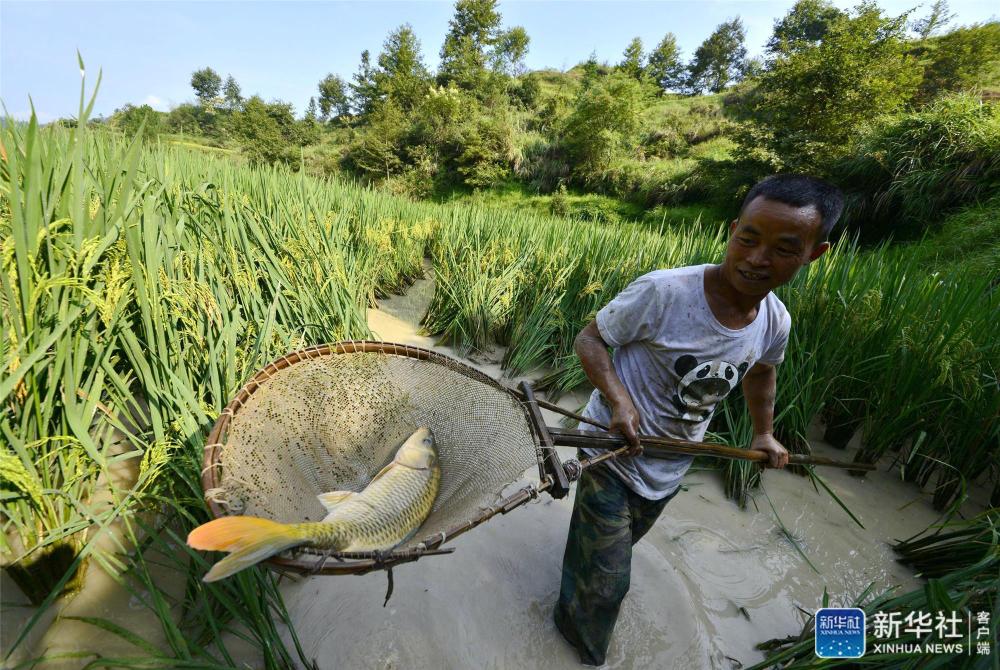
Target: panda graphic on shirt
{"points": [[701, 385]]}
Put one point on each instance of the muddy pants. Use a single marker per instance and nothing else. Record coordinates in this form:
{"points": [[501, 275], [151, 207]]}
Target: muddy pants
{"points": [[608, 518]]}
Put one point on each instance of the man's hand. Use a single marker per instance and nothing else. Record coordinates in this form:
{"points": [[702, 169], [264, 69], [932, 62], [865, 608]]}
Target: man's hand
{"points": [[625, 420], [594, 358], [777, 454]]}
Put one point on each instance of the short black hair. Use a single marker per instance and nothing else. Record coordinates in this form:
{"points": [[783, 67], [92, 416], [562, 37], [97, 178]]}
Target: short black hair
{"points": [[799, 190]]}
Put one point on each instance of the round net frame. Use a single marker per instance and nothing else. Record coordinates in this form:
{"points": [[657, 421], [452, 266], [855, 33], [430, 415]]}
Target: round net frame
{"points": [[328, 418]]}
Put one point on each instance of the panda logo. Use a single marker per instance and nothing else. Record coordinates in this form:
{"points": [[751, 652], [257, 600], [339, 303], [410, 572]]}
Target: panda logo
{"points": [[702, 385]]}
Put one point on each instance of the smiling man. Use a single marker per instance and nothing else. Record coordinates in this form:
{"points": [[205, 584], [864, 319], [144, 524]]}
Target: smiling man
{"points": [[682, 340]]}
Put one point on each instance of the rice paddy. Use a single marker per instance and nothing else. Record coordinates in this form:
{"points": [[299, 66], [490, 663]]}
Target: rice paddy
{"points": [[141, 286]]}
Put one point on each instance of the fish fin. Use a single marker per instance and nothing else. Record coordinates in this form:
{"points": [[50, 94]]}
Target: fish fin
{"points": [[333, 498], [382, 471], [250, 540]]}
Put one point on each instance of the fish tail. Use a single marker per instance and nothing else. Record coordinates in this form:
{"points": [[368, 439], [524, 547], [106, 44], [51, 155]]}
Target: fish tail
{"points": [[248, 539]]}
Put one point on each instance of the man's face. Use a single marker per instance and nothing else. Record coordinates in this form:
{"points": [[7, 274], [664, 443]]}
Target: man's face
{"points": [[768, 244]]}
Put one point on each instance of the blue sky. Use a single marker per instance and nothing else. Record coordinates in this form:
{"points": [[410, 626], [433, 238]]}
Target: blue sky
{"points": [[148, 50]]}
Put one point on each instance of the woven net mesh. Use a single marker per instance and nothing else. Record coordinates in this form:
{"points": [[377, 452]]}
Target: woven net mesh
{"points": [[330, 423]]}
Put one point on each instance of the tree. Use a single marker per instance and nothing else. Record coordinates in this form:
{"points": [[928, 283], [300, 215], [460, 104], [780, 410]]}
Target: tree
{"points": [[805, 24], [811, 103], [311, 111], [665, 67], [364, 91], [632, 61], [206, 84], [333, 102], [377, 150], [402, 75], [934, 21], [511, 48], [476, 50], [720, 58], [591, 71], [231, 91]]}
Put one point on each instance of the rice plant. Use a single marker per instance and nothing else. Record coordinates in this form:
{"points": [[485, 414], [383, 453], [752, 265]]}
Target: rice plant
{"points": [[140, 286], [878, 343]]}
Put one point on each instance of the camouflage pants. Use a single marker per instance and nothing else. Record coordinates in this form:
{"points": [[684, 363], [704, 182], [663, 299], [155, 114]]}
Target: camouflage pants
{"points": [[608, 518]]}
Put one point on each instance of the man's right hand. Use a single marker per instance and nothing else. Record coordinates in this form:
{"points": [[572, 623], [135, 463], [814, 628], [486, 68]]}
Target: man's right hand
{"points": [[596, 363], [625, 420]]}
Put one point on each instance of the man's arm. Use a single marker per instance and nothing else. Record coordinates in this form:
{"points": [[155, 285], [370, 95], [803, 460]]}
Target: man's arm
{"points": [[759, 389], [593, 353]]}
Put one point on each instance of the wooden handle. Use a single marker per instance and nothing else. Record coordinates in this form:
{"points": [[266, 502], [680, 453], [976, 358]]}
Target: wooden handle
{"points": [[664, 447]]}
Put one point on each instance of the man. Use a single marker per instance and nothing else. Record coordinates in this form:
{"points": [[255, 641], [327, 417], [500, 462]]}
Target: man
{"points": [[682, 339]]}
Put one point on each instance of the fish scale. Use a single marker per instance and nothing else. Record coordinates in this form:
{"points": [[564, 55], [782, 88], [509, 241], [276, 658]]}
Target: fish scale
{"points": [[381, 516]]}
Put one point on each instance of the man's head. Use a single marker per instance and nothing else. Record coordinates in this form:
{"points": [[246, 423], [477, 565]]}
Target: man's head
{"points": [[784, 224]]}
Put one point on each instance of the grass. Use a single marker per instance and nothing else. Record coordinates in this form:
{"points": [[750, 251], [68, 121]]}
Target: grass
{"points": [[194, 142], [907, 170], [969, 241], [571, 202]]}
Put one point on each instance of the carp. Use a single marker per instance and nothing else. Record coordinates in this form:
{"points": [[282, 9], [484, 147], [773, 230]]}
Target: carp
{"points": [[387, 512]]}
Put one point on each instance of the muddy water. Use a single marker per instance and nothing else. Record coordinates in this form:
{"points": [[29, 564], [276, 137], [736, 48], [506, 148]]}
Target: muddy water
{"points": [[709, 581]]}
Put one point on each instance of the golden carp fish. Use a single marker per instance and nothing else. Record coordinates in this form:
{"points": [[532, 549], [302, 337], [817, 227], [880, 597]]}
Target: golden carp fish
{"points": [[387, 512]]}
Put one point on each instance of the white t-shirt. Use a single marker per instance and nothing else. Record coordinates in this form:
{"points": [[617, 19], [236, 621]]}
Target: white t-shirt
{"points": [[677, 362]]}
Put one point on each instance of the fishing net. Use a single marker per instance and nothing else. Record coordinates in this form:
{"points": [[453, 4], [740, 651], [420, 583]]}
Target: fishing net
{"points": [[329, 418]]}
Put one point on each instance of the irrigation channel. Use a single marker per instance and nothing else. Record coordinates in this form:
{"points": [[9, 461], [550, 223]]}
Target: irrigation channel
{"points": [[709, 581]]}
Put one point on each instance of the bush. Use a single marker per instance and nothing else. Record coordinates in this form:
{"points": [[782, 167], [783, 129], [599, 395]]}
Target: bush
{"points": [[449, 139], [267, 132], [604, 123], [559, 205], [908, 169], [129, 119], [526, 90]]}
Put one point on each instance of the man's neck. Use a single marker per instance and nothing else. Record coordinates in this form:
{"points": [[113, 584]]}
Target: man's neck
{"points": [[723, 297]]}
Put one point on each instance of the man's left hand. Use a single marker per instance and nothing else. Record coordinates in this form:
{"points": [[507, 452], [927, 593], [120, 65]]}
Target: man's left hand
{"points": [[777, 454]]}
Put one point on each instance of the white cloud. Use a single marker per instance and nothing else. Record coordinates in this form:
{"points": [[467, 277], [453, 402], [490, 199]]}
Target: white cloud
{"points": [[155, 103]]}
